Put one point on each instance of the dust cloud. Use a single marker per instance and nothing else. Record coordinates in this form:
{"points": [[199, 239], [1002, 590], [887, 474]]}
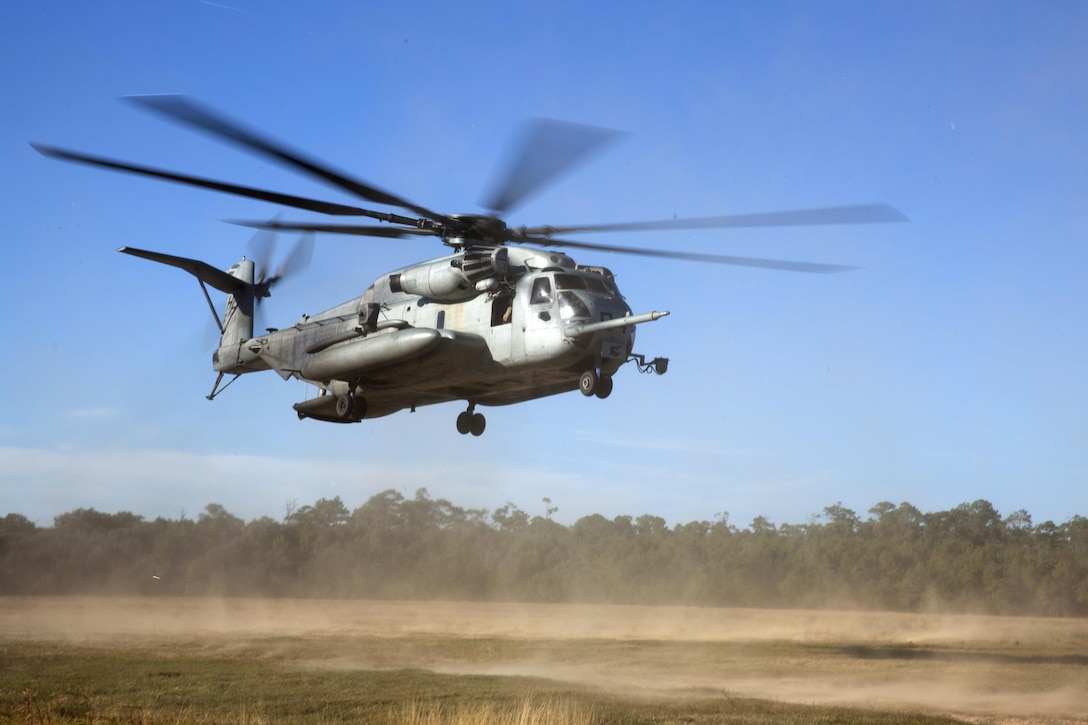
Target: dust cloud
{"points": [[1006, 668]]}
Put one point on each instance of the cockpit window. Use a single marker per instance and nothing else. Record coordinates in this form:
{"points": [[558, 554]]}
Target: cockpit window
{"points": [[600, 286], [542, 291], [569, 281], [571, 307], [589, 282]]}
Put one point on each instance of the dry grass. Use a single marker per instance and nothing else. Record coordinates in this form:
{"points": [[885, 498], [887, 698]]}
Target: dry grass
{"points": [[531, 711], [271, 661]]}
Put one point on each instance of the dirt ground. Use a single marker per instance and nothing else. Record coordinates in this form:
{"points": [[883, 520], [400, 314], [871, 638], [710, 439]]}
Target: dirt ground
{"points": [[980, 668]]}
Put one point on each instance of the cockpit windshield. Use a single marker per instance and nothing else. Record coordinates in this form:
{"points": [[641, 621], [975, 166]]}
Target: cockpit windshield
{"points": [[586, 282], [571, 307]]}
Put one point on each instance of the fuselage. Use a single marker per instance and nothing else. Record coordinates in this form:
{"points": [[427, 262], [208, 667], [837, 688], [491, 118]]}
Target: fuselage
{"points": [[509, 333]]}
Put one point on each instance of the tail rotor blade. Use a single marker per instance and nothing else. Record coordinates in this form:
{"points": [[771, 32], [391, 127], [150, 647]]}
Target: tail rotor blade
{"points": [[299, 258], [260, 248]]}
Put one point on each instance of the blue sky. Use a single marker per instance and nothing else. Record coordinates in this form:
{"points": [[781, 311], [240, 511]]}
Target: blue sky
{"points": [[950, 368]]}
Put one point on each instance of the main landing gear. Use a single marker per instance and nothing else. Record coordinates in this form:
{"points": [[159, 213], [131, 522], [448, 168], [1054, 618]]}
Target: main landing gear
{"points": [[593, 384], [471, 422], [351, 406]]}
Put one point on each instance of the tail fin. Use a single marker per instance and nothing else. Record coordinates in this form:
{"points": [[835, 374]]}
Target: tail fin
{"points": [[238, 318], [237, 323]]}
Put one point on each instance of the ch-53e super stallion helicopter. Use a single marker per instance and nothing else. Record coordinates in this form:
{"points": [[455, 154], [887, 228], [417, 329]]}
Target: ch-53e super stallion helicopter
{"points": [[488, 324]]}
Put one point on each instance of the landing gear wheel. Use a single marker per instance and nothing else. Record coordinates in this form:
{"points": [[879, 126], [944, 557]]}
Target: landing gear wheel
{"points": [[604, 387], [588, 383], [470, 422], [348, 406], [476, 424]]}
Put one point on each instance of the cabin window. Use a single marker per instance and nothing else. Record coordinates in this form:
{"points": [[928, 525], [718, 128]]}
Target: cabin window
{"points": [[542, 291], [441, 321]]}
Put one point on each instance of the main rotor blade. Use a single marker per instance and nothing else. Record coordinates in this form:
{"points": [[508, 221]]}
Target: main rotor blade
{"points": [[363, 230], [546, 149], [187, 111], [779, 264], [299, 202], [853, 214]]}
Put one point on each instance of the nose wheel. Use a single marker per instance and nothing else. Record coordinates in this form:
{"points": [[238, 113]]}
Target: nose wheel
{"points": [[471, 422]]}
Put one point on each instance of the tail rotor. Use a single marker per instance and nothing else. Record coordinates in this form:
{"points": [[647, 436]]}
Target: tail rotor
{"points": [[261, 250]]}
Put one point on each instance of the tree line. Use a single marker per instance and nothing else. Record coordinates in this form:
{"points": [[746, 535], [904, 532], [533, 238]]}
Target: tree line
{"points": [[969, 558]]}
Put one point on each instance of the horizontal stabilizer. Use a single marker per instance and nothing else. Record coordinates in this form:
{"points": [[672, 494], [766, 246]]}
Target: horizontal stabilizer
{"points": [[201, 270]]}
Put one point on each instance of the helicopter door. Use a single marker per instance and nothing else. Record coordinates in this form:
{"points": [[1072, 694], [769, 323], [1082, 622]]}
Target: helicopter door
{"points": [[498, 337]]}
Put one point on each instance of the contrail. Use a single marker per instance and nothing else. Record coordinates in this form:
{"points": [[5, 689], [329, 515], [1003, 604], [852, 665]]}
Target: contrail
{"points": [[227, 7]]}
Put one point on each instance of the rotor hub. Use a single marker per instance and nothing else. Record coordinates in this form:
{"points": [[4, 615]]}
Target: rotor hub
{"points": [[480, 227]]}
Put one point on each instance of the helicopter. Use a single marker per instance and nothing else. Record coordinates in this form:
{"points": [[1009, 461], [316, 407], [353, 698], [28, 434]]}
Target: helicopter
{"points": [[506, 316]]}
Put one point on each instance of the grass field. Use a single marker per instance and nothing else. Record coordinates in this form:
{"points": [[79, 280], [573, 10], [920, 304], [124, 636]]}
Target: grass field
{"points": [[161, 660]]}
